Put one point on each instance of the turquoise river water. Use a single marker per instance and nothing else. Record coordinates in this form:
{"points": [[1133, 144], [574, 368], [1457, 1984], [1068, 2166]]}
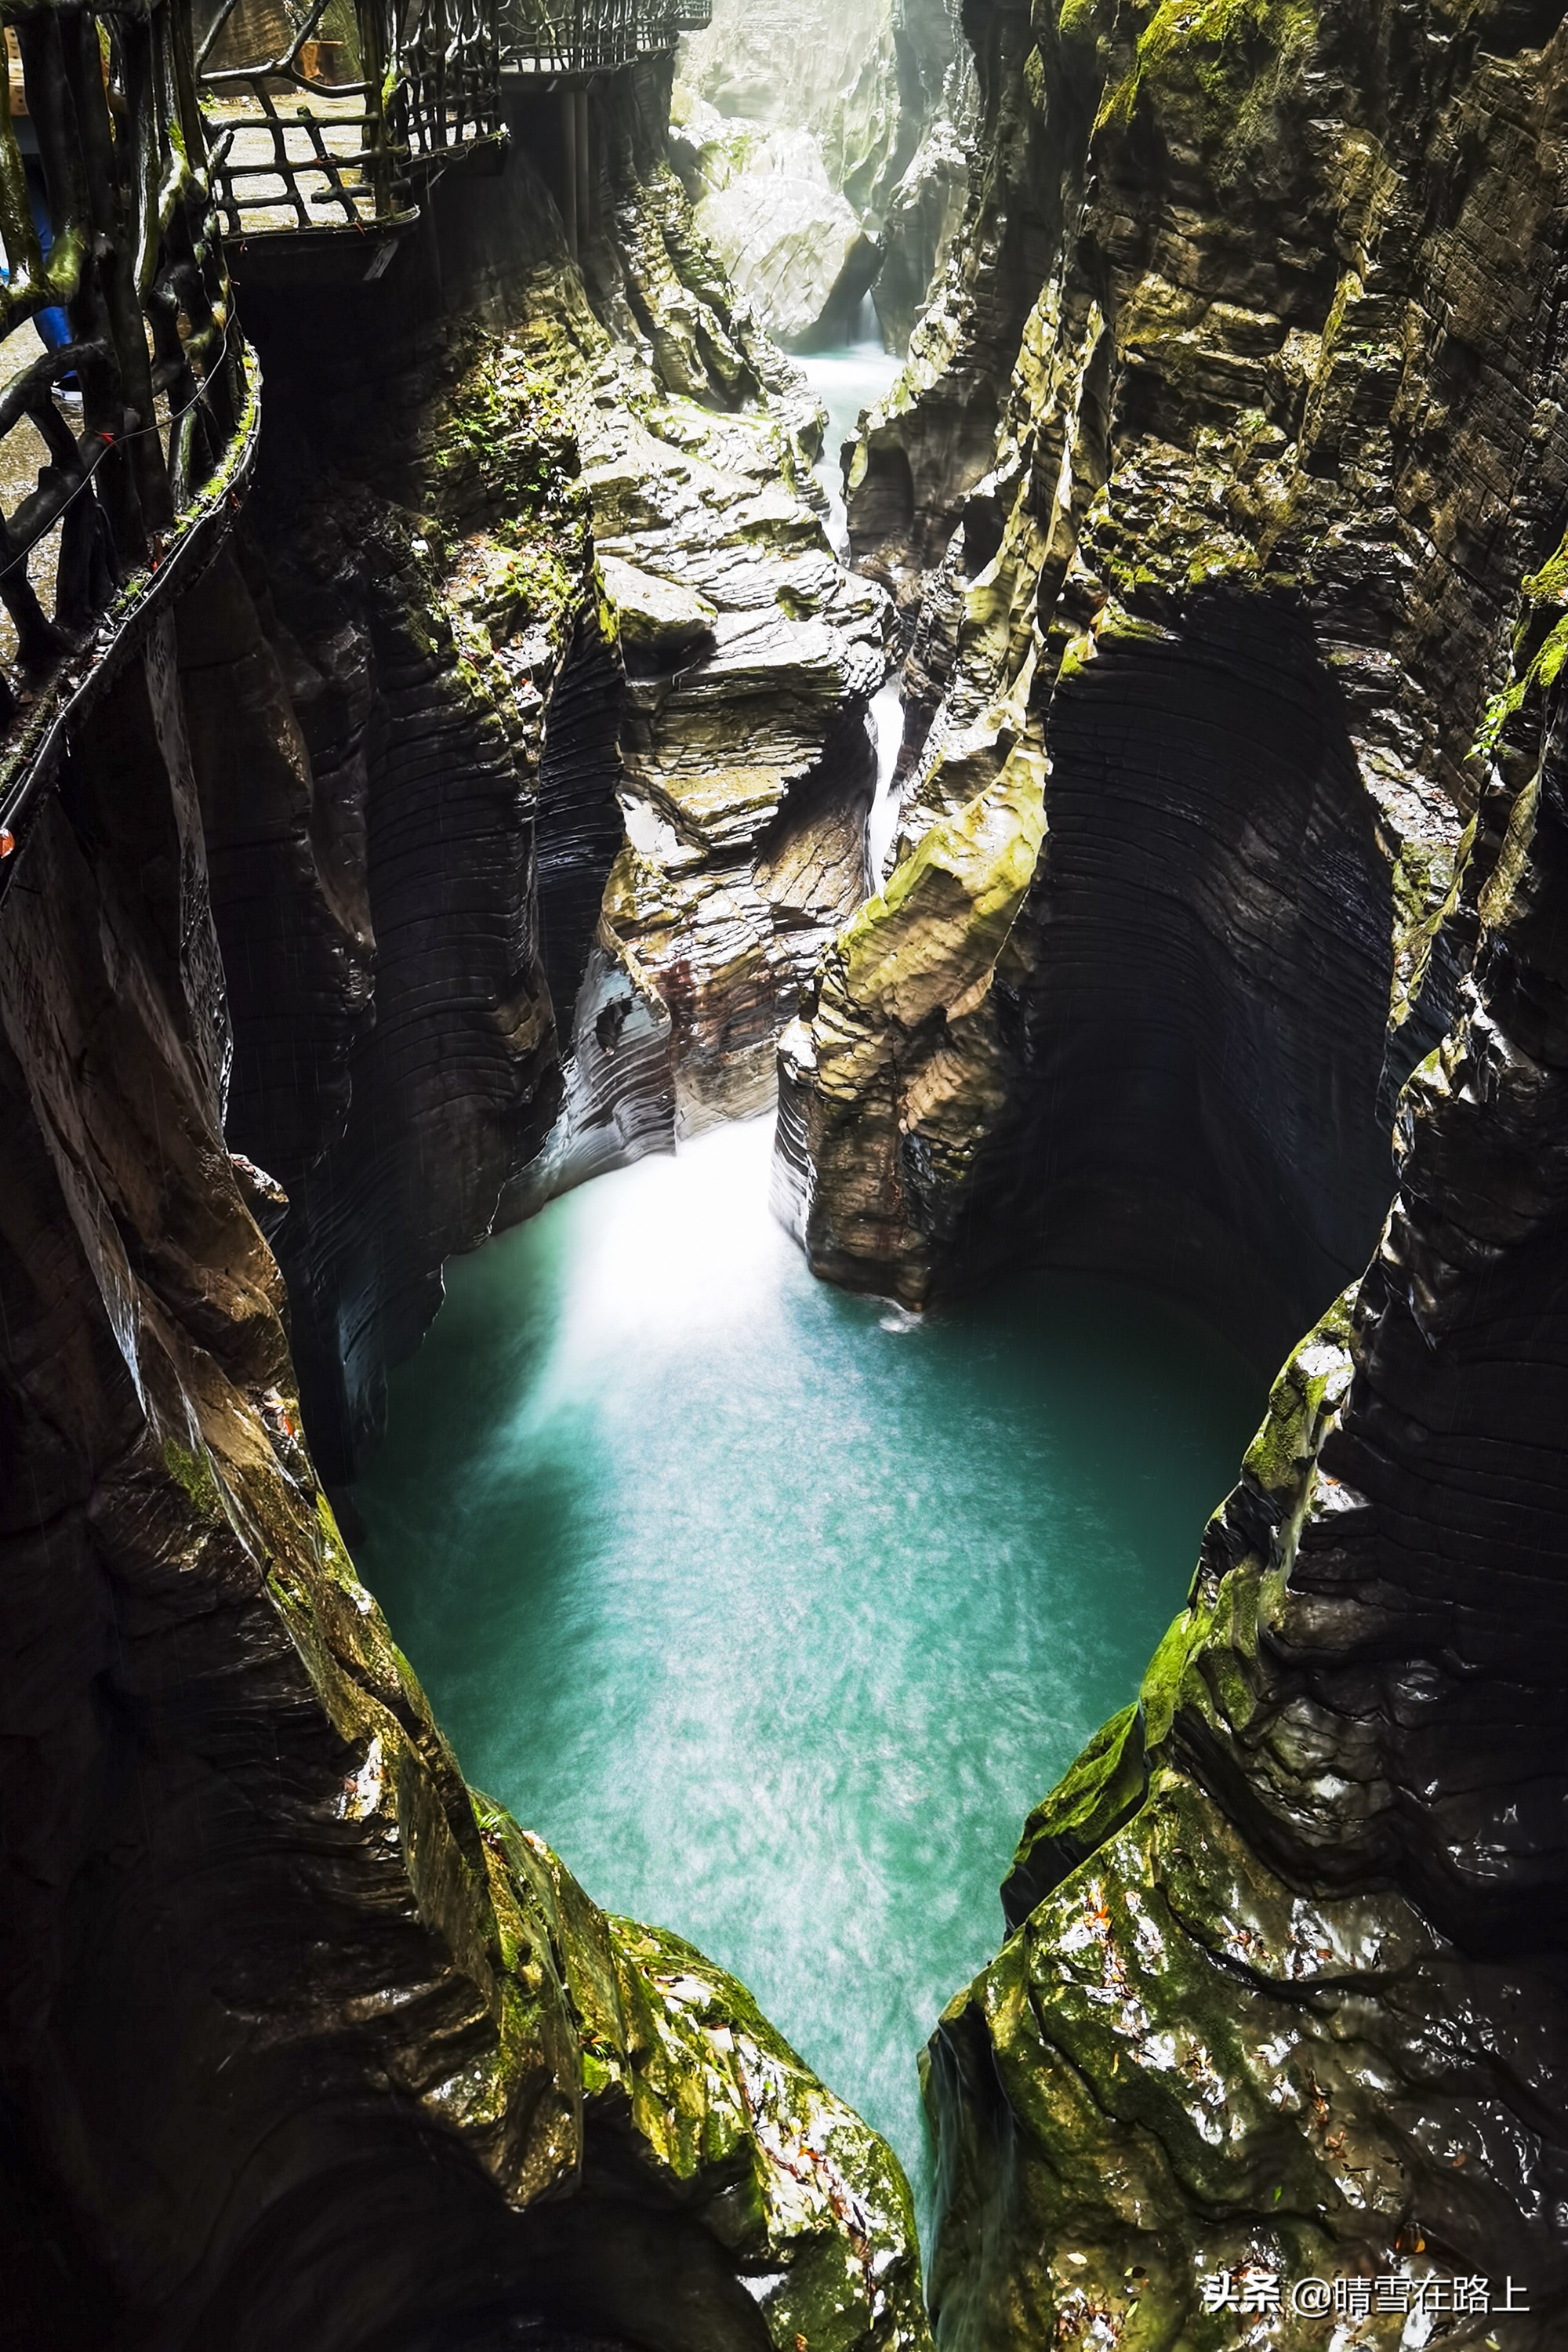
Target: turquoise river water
{"points": [[774, 1610]]}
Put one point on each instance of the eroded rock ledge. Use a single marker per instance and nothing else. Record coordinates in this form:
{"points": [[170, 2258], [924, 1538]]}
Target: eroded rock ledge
{"points": [[1226, 659], [303, 2042]]}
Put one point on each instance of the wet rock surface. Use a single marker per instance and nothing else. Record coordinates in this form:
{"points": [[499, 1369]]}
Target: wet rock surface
{"points": [[479, 824], [1147, 404], [1208, 495], [747, 760], [421, 661], [302, 2041], [1284, 1994]]}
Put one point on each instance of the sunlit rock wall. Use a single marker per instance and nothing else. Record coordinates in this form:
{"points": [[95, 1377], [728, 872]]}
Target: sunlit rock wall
{"points": [[762, 198], [1250, 389], [824, 150], [1221, 496], [751, 655]]}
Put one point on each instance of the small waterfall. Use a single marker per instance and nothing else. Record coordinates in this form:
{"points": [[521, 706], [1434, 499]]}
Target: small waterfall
{"points": [[864, 329], [888, 719], [847, 382]]}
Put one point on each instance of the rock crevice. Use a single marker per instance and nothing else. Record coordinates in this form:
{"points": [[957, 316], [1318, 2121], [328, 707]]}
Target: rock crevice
{"points": [[1221, 490]]}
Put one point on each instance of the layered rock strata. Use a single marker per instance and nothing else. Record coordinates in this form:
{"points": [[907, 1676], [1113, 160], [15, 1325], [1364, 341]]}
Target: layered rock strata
{"points": [[420, 755], [1225, 788], [750, 658], [1210, 482], [1284, 1996], [302, 2042], [440, 694]]}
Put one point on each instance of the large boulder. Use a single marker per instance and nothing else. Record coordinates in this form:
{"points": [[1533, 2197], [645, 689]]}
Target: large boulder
{"points": [[765, 204]]}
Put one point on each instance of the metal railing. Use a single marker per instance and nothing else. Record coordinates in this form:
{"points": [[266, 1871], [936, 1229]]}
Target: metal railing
{"points": [[325, 111], [567, 36], [128, 416], [545, 37]]}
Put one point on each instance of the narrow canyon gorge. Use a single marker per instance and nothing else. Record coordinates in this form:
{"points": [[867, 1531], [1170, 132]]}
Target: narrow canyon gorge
{"points": [[784, 851]]}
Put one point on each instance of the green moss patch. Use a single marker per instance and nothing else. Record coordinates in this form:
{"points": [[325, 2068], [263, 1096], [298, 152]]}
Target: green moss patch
{"points": [[1227, 53]]}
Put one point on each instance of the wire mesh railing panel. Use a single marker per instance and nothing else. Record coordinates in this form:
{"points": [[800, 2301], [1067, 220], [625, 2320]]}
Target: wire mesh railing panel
{"points": [[322, 111], [124, 398], [657, 26], [451, 87], [295, 91], [575, 36]]}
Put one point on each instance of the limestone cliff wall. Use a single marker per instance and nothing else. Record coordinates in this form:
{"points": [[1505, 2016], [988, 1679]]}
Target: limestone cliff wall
{"points": [[1219, 461], [751, 657], [825, 149], [301, 2041], [428, 646], [1222, 496], [415, 739], [1284, 1991]]}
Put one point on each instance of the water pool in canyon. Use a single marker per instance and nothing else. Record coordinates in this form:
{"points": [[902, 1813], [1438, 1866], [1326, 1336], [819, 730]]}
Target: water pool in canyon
{"points": [[852, 377], [775, 1609]]}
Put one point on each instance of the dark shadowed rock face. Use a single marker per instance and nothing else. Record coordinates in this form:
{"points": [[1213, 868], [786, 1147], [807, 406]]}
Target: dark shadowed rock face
{"points": [[1179, 1060], [1202, 977], [1198, 862], [413, 735], [1286, 1986], [411, 690], [488, 697], [302, 2041]]}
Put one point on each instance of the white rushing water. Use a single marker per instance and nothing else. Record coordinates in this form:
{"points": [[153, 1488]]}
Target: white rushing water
{"points": [[887, 719], [848, 382]]}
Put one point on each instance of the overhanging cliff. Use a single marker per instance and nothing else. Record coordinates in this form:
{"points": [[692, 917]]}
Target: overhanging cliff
{"points": [[303, 2041], [1209, 495]]}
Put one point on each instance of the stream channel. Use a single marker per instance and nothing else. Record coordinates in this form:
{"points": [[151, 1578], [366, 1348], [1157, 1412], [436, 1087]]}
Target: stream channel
{"points": [[772, 1609]]}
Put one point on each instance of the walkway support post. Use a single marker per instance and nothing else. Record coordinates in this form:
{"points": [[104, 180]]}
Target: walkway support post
{"points": [[584, 178], [569, 174]]}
